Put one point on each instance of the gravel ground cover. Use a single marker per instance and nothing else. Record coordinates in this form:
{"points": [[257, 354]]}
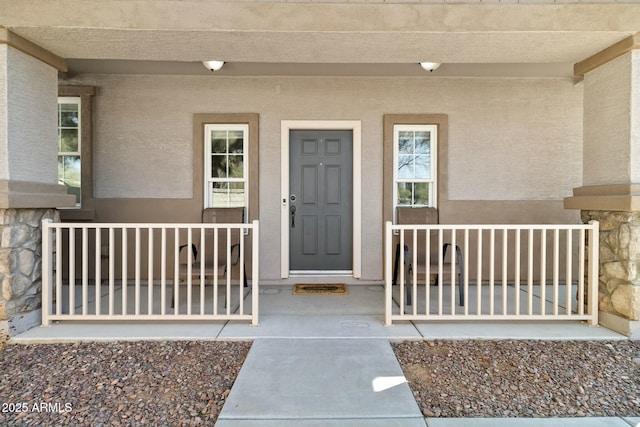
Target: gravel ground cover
{"points": [[523, 378], [117, 384], [186, 383]]}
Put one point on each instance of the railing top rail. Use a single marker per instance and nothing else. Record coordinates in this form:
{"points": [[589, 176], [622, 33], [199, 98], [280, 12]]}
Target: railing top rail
{"points": [[179, 225], [491, 226]]}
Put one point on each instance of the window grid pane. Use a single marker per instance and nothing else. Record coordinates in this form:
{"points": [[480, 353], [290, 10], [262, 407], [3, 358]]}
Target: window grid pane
{"points": [[413, 193], [405, 142], [236, 142], [227, 194], [406, 166], [422, 166], [68, 140], [404, 194], [219, 166], [69, 174], [420, 194]]}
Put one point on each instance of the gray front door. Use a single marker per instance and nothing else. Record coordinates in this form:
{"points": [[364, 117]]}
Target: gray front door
{"points": [[320, 200]]}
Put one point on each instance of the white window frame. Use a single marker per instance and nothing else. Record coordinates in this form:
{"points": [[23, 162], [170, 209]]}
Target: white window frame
{"points": [[78, 101], [433, 181], [208, 180]]}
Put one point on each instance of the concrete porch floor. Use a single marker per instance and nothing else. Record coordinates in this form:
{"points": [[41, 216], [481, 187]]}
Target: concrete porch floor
{"points": [[358, 315]]}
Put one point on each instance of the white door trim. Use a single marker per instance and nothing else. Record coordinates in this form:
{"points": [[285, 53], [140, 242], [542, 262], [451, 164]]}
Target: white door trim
{"points": [[288, 125]]}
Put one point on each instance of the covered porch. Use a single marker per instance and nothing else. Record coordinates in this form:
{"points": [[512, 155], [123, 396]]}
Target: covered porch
{"points": [[517, 112], [358, 315], [103, 306]]}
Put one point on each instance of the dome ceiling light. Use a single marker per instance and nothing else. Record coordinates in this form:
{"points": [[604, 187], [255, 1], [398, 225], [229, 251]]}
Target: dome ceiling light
{"points": [[213, 65], [430, 66]]}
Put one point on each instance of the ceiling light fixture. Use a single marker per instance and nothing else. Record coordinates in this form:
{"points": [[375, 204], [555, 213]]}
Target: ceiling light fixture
{"points": [[213, 65], [430, 66]]}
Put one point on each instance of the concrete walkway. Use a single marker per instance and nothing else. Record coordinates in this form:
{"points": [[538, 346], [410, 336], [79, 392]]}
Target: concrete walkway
{"points": [[310, 382]]}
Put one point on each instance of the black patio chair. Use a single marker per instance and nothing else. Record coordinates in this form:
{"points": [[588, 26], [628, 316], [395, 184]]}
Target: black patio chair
{"points": [[220, 216], [423, 216]]}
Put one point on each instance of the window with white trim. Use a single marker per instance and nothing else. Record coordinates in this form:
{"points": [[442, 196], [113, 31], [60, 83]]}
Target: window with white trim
{"points": [[414, 165], [69, 146], [226, 166]]}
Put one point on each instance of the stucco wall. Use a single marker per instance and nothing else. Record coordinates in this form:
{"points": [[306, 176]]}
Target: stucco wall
{"points": [[635, 113], [607, 124], [527, 132], [31, 119], [4, 108], [510, 140], [514, 140]]}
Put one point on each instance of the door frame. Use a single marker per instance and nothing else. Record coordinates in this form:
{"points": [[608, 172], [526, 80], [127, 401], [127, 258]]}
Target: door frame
{"points": [[355, 127]]}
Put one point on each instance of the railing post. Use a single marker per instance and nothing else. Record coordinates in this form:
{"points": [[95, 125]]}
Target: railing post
{"points": [[255, 276], [387, 273], [594, 266], [47, 272]]}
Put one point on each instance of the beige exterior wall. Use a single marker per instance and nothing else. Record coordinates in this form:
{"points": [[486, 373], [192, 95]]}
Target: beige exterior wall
{"points": [[635, 113], [514, 139], [28, 118], [4, 111], [28, 125], [514, 146], [607, 143]]}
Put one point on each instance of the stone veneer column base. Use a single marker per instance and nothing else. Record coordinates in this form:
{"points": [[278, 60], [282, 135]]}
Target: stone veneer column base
{"points": [[21, 268], [619, 271]]}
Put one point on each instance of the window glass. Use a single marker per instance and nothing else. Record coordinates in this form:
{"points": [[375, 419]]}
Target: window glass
{"points": [[236, 142], [421, 194], [422, 167], [405, 143], [422, 142], [69, 154], [68, 141], [236, 167], [219, 166], [69, 115]]}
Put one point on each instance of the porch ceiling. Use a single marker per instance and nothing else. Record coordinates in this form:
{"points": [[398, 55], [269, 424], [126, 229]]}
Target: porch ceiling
{"points": [[272, 38]]}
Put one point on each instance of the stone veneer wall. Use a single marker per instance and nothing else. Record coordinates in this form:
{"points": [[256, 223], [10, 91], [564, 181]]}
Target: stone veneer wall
{"points": [[619, 286], [21, 267]]}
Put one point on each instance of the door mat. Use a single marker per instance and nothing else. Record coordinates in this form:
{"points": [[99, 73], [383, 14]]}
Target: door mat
{"points": [[320, 289]]}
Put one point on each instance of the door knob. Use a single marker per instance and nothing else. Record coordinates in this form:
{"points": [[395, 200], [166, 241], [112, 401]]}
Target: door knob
{"points": [[292, 209]]}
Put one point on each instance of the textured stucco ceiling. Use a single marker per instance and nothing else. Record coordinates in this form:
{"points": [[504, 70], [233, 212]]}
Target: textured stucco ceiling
{"points": [[127, 35]]}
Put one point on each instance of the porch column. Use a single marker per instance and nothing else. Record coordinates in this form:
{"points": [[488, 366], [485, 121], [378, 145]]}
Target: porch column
{"points": [[611, 178], [29, 191]]}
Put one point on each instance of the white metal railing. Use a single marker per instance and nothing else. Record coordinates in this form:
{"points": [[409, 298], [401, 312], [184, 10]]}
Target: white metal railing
{"points": [[500, 272], [97, 271]]}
